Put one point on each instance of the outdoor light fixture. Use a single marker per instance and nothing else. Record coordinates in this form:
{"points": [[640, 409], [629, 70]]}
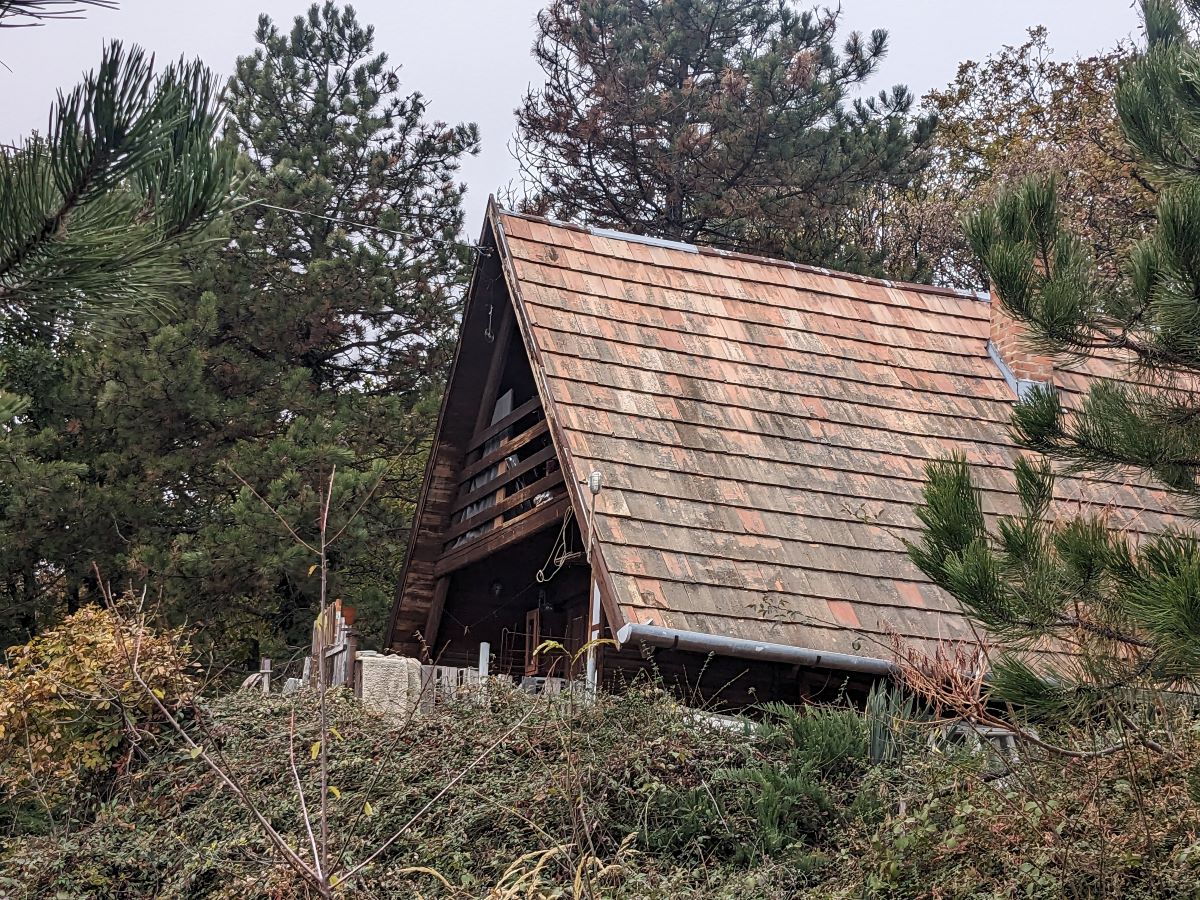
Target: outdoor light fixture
{"points": [[594, 481]]}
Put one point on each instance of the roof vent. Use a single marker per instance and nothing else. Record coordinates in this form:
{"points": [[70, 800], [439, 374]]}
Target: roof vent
{"points": [[1010, 348]]}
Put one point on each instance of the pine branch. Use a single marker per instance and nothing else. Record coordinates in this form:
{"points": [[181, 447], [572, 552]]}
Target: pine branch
{"points": [[26, 13]]}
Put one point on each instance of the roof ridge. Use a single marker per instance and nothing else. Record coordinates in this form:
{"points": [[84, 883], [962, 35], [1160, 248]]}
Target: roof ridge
{"points": [[703, 250]]}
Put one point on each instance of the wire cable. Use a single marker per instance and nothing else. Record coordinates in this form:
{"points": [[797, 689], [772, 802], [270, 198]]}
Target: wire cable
{"points": [[559, 553], [478, 248]]}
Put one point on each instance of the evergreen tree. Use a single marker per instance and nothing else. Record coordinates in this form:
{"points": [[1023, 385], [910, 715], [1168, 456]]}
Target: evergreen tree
{"points": [[714, 121], [93, 216], [368, 262], [317, 337], [23, 13], [1128, 609]]}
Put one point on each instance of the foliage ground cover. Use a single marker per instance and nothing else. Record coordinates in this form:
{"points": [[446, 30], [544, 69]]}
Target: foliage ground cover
{"points": [[633, 796]]}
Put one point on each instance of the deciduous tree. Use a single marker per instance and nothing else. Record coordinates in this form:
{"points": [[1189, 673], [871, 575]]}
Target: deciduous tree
{"points": [[1019, 113]]}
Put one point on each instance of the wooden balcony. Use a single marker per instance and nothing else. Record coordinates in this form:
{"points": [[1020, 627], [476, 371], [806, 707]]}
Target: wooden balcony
{"points": [[510, 485]]}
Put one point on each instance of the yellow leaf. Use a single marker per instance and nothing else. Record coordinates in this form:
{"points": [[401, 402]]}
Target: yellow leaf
{"points": [[158, 693], [316, 749], [337, 795], [194, 752], [368, 810], [312, 568], [337, 734]]}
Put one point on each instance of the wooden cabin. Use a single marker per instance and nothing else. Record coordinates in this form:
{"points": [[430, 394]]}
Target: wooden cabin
{"points": [[760, 432]]}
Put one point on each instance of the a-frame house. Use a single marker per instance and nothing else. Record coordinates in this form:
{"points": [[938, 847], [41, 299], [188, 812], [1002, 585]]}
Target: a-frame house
{"points": [[760, 430]]}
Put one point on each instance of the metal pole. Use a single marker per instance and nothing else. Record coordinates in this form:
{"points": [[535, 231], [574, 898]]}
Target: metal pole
{"points": [[593, 637], [485, 659]]}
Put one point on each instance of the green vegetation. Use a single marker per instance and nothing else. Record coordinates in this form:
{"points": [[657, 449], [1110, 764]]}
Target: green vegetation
{"points": [[635, 797], [95, 214], [291, 343], [1125, 602], [196, 330]]}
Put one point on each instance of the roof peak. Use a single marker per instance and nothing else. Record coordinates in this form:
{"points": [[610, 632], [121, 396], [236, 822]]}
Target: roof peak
{"points": [[700, 249]]}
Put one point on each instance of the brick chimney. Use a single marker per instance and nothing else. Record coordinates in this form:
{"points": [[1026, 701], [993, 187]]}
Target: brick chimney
{"points": [[1009, 345]]}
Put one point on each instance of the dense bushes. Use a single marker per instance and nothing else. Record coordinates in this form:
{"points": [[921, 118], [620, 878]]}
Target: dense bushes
{"points": [[1122, 826], [71, 716], [574, 779], [662, 801], [632, 797]]}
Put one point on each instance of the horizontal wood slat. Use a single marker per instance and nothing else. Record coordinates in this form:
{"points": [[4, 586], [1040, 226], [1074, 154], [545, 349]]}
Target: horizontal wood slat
{"points": [[503, 478], [510, 502], [506, 447], [515, 530], [511, 419]]}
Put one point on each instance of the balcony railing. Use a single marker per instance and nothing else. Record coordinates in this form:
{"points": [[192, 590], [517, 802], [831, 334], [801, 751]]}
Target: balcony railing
{"points": [[511, 473]]}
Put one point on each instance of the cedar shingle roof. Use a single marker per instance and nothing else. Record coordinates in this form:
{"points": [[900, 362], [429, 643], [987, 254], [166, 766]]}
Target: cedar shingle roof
{"points": [[763, 430]]}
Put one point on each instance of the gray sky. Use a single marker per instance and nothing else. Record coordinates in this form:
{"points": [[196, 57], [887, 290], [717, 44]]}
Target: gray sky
{"points": [[471, 57]]}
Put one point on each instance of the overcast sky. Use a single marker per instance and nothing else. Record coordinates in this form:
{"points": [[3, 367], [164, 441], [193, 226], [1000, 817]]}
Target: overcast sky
{"points": [[471, 57]]}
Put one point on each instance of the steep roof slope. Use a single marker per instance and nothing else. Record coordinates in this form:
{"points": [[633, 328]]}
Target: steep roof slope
{"points": [[763, 429]]}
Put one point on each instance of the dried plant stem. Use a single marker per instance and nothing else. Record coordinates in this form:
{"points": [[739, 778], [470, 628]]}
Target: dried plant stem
{"points": [[223, 773], [317, 862], [403, 829]]}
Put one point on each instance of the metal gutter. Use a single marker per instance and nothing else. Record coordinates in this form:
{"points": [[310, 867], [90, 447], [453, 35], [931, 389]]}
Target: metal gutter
{"points": [[698, 642]]}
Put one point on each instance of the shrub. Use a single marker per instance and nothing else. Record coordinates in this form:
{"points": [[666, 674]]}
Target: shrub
{"points": [[1050, 827], [567, 792], [71, 715], [817, 757]]}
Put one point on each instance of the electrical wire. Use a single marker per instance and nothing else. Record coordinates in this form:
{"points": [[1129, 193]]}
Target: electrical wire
{"points": [[478, 248], [559, 553]]}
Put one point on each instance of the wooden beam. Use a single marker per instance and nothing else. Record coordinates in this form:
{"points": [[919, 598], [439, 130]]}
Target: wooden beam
{"points": [[506, 447], [491, 387], [433, 622], [482, 437], [554, 479], [500, 480], [524, 525]]}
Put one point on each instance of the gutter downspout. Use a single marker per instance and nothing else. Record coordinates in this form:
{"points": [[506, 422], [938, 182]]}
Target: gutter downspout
{"points": [[698, 642]]}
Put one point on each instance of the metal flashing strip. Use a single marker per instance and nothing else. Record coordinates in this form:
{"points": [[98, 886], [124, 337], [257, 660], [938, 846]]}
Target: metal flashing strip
{"points": [[699, 642], [1021, 387], [644, 239]]}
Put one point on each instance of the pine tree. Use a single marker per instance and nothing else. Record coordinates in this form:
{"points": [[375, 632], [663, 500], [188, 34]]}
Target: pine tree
{"points": [[1128, 609], [93, 215], [23, 13], [355, 221], [721, 122], [318, 336]]}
